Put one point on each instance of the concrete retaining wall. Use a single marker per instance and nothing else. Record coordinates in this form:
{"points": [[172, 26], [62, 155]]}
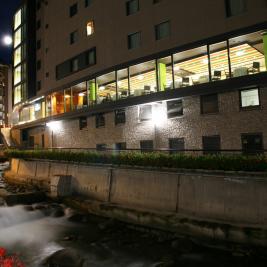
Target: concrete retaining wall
{"points": [[227, 198]]}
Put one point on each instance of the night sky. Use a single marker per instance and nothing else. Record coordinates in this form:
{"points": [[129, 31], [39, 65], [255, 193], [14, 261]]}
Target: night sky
{"points": [[7, 10]]}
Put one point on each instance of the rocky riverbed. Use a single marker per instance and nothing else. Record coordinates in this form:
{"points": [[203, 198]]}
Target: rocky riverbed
{"points": [[50, 234]]}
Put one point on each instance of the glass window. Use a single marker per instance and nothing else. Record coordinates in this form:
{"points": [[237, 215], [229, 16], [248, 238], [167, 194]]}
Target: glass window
{"points": [[191, 67], [48, 105], [162, 30], [174, 108], [73, 10], [252, 143], [176, 145], [120, 116], [57, 103], [120, 146], [91, 57], [87, 3], [17, 19], [146, 146], [82, 123], [68, 100], [17, 56], [39, 109], [247, 54], [211, 144], [165, 74], [74, 64], [209, 104], [73, 37], [143, 79], [123, 83], [90, 29], [106, 88], [17, 75], [145, 112], [17, 94], [134, 40], [132, 7], [250, 98], [17, 37], [101, 147], [235, 7], [219, 61], [79, 96], [99, 120]]}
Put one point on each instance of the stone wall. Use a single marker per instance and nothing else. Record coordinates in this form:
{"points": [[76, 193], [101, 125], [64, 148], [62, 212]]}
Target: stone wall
{"points": [[229, 123]]}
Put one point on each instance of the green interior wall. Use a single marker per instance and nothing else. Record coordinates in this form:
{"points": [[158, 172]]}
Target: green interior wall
{"points": [[92, 91], [265, 47], [162, 69]]}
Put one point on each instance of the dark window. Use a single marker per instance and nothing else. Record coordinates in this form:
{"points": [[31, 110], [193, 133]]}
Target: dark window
{"points": [[134, 40], [47, 74], [38, 65], [146, 146], [38, 44], [145, 112], [176, 144], [87, 3], [249, 98], [99, 120], [25, 135], [82, 122], [120, 146], [252, 143], [38, 24], [39, 85], [209, 104], [162, 30], [101, 147], [73, 10], [120, 116], [46, 26], [132, 7], [235, 7], [80, 62], [156, 1], [73, 37], [174, 108], [211, 144]]}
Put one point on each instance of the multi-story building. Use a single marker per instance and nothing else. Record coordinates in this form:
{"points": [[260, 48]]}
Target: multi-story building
{"points": [[141, 74], [5, 95]]}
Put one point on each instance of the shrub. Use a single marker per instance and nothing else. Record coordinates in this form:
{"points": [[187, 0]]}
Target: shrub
{"points": [[158, 160]]}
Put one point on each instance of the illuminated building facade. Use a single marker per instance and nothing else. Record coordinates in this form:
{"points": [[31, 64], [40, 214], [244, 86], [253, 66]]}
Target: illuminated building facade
{"points": [[135, 75]]}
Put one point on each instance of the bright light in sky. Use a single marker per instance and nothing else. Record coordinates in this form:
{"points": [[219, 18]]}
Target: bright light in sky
{"points": [[7, 40]]}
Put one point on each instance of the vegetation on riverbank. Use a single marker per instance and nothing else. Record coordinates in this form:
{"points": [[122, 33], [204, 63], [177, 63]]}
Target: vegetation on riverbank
{"points": [[257, 163]]}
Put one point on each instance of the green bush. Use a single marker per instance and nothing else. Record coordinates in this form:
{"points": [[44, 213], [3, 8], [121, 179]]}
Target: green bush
{"points": [[157, 160]]}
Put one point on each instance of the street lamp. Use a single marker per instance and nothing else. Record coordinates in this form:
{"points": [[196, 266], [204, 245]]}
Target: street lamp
{"points": [[7, 40]]}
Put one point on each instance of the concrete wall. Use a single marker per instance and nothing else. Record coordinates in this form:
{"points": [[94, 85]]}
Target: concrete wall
{"points": [[226, 197]]}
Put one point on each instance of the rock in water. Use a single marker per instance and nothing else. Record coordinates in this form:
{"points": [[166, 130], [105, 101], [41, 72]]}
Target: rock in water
{"points": [[64, 258]]}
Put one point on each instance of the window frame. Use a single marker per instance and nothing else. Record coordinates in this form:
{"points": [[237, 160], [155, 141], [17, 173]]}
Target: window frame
{"points": [[129, 40], [157, 32], [207, 152], [128, 3], [201, 105], [175, 100], [249, 107], [116, 112], [73, 10], [83, 123], [98, 122]]}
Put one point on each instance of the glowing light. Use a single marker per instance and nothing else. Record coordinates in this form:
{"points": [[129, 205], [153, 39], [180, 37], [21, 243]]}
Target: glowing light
{"points": [[101, 87], [140, 77], [176, 68], [240, 53], [81, 94], [7, 40], [158, 115], [67, 96], [54, 126], [205, 61]]}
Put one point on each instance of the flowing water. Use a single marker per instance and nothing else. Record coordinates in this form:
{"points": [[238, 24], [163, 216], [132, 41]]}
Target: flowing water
{"points": [[38, 231]]}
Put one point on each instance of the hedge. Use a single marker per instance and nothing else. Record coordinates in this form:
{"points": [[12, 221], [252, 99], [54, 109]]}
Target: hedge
{"points": [[257, 163]]}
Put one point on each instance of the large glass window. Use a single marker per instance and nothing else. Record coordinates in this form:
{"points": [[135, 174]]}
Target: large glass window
{"points": [[247, 54], [219, 61], [17, 19], [191, 67], [165, 75], [17, 37], [57, 103], [17, 75], [143, 78], [17, 94], [39, 109], [17, 56], [106, 88], [123, 83], [79, 96]]}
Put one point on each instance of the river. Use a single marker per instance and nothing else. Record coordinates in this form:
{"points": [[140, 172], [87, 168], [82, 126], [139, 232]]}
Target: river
{"points": [[51, 234]]}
